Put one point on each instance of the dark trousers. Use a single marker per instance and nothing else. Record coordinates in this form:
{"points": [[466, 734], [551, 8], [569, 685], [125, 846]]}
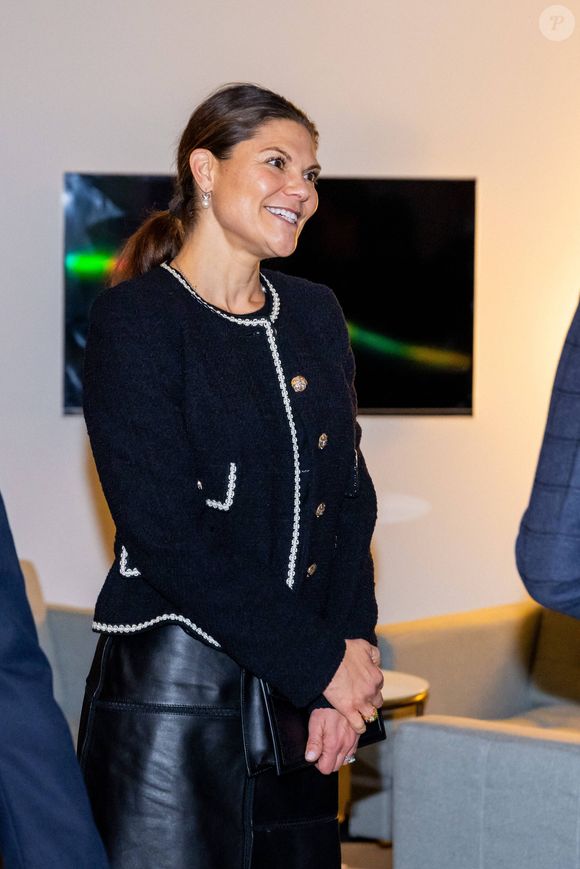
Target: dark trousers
{"points": [[162, 752]]}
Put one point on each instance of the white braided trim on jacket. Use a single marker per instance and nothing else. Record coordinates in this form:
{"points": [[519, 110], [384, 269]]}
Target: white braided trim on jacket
{"points": [[270, 336], [166, 617], [123, 569], [225, 505]]}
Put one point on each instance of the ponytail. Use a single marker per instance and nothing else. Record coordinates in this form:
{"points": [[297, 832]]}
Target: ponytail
{"points": [[158, 239]]}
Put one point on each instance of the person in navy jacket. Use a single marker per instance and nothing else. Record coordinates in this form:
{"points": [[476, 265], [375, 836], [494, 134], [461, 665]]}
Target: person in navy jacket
{"points": [[45, 817], [548, 544]]}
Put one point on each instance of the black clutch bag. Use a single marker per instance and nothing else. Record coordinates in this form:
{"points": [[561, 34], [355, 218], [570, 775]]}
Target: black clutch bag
{"points": [[275, 731]]}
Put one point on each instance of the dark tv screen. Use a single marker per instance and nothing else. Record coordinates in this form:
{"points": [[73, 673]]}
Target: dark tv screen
{"points": [[399, 254]]}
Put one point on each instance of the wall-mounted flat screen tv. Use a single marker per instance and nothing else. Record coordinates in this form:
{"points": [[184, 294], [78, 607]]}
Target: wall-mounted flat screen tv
{"points": [[399, 254]]}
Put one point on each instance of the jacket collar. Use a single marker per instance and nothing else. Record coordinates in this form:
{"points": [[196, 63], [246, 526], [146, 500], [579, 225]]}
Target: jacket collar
{"points": [[243, 321]]}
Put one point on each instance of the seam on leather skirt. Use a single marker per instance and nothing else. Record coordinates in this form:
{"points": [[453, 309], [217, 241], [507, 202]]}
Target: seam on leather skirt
{"points": [[99, 661], [297, 822], [168, 709]]}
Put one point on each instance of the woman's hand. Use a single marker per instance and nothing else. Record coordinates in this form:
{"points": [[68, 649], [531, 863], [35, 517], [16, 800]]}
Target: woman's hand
{"points": [[355, 688], [331, 739]]}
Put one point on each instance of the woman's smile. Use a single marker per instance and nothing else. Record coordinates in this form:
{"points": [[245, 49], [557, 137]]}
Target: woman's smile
{"points": [[284, 214]]}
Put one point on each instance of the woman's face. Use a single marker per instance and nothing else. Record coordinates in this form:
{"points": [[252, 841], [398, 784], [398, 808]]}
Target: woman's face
{"points": [[264, 193]]}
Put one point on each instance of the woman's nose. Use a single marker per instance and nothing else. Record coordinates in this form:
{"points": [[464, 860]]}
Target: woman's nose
{"points": [[300, 187]]}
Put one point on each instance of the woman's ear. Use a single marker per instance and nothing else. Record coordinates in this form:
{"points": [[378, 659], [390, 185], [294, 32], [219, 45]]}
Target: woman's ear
{"points": [[201, 163]]}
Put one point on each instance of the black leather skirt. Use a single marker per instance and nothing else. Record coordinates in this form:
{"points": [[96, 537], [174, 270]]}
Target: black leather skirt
{"points": [[161, 748]]}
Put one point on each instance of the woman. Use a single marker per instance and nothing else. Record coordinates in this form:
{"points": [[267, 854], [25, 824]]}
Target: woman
{"points": [[221, 412]]}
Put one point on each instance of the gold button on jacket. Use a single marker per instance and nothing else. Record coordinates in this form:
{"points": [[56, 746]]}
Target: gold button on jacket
{"points": [[299, 383]]}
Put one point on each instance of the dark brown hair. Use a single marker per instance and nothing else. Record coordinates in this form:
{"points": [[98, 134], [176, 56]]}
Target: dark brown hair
{"points": [[227, 117]]}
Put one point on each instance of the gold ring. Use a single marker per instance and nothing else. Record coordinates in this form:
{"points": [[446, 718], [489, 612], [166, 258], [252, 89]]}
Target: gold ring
{"points": [[371, 718]]}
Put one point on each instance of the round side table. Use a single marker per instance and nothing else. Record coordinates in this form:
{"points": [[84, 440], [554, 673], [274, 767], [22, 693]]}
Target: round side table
{"points": [[401, 690]]}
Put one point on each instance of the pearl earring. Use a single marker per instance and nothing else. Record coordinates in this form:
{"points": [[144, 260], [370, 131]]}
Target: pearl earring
{"points": [[205, 198]]}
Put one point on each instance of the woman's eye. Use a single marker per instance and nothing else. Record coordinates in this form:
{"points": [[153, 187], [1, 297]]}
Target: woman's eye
{"points": [[278, 162], [312, 176]]}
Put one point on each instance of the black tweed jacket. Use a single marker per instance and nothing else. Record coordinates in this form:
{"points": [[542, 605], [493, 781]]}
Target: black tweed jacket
{"points": [[228, 451]]}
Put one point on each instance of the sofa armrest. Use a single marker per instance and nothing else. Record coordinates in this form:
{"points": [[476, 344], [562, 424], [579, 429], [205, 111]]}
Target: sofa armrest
{"points": [[477, 663], [69, 644], [472, 793]]}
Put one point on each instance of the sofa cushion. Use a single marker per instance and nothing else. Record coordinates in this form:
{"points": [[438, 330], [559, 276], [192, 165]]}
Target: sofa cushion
{"points": [[563, 716], [482, 794], [477, 663], [70, 645], [555, 671]]}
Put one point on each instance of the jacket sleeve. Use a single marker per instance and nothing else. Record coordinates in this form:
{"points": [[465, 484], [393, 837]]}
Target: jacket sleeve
{"points": [[548, 543], [354, 603], [356, 524], [356, 600], [146, 467], [45, 816]]}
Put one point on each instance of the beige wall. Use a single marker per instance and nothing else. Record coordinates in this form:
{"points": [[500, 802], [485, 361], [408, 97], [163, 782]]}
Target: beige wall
{"points": [[456, 88]]}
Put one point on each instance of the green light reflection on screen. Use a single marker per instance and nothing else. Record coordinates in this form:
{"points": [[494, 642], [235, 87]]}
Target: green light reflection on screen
{"points": [[433, 357], [91, 265]]}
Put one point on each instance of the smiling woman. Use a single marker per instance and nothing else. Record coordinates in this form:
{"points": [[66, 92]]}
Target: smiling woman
{"points": [[221, 411], [239, 128], [261, 195]]}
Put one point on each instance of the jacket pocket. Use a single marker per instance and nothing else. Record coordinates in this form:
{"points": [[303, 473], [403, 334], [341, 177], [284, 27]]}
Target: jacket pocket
{"points": [[218, 485], [124, 568]]}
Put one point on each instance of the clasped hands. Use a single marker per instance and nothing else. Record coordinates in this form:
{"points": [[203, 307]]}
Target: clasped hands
{"points": [[355, 694]]}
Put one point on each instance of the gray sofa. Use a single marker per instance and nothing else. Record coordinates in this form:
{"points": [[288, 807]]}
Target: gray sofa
{"points": [[490, 777], [69, 644], [485, 795], [517, 664]]}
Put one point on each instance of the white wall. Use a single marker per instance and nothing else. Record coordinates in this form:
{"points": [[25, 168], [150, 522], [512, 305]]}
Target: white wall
{"points": [[457, 88]]}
